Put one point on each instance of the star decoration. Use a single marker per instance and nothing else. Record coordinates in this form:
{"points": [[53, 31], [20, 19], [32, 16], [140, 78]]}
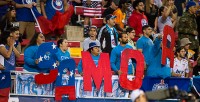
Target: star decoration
{"points": [[40, 59], [54, 46], [71, 73], [54, 65]]}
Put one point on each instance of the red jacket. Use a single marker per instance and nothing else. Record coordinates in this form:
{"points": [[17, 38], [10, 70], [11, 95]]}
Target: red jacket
{"points": [[137, 20]]}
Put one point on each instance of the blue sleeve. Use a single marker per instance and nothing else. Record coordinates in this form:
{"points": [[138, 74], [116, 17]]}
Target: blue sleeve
{"points": [[113, 59], [156, 46], [139, 44], [80, 69], [18, 1], [29, 55]]}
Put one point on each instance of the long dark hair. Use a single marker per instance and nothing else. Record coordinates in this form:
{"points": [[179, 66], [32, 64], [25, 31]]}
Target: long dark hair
{"points": [[34, 39], [161, 9], [60, 41], [147, 7], [4, 36], [178, 50]]}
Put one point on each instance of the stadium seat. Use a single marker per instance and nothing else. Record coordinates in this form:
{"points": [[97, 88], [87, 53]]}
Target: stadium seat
{"points": [[74, 43], [51, 41], [98, 22], [25, 42], [75, 52], [79, 11], [20, 60], [102, 10]]}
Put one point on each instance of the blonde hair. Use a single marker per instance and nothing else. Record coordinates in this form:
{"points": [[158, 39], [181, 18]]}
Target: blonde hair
{"points": [[147, 6]]}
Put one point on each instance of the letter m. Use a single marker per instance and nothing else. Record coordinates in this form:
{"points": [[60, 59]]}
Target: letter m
{"points": [[96, 73]]}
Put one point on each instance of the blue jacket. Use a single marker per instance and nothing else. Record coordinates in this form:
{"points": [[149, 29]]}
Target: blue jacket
{"points": [[155, 68], [30, 55], [115, 58]]}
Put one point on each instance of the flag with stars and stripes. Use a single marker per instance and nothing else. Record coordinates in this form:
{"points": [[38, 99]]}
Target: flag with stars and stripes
{"points": [[45, 55], [92, 10]]}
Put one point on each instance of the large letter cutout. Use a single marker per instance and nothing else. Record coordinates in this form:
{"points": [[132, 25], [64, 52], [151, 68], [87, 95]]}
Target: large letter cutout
{"points": [[46, 79], [137, 82], [65, 82], [102, 71], [168, 45], [65, 79]]}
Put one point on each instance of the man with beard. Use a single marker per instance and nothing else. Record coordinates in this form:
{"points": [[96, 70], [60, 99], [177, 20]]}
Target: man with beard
{"points": [[115, 58], [137, 20], [180, 64]]}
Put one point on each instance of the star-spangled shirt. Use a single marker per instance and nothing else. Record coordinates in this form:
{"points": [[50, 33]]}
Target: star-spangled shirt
{"points": [[66, 71]]}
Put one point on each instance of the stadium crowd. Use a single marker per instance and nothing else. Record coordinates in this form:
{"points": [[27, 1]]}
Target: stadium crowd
{"points": [[126, 24]]}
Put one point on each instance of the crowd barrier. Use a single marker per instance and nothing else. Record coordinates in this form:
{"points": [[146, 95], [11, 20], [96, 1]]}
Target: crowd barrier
{"points": [[24, 86]]}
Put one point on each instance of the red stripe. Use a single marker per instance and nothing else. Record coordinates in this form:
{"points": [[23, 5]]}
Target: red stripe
{"points": [[4, 92]]}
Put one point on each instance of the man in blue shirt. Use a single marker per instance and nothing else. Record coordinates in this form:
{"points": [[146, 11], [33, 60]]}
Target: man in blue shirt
{"points": [[115, 57], [94, 52], [144, 43], [155, 68]]}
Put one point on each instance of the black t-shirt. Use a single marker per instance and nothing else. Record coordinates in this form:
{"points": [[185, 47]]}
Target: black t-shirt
{"points": [[107, 11], [152, 16], [178, 4]]}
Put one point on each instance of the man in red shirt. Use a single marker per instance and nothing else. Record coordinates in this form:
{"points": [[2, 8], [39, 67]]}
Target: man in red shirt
{"points": [[137, 20]]}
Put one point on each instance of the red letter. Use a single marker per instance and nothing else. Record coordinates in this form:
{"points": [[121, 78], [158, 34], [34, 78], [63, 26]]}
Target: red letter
{"points": [[137, 82], [168, 45], [97, 73], [46, 79]]}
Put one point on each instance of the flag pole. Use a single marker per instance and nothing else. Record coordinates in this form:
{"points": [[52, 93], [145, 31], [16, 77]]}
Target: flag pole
{"points": [[36, 20]]}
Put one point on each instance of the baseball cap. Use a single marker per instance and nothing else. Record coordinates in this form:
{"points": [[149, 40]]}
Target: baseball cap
{"points": [[189, 4], [135, 94], [93, 44], [93, 26], [185, 41], [110, 16], [116, 2], [10, 8]]}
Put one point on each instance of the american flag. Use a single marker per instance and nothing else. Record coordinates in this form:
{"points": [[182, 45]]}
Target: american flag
{"points": [[92, 10]]}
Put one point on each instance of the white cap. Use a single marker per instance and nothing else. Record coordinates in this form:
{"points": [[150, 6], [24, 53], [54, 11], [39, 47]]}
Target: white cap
{"points": [[135, 94]]}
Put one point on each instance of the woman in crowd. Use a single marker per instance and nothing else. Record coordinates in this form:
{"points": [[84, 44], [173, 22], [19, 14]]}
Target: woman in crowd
{"points": [[173, 10], [9, 19], [62, 53], [8, 51], [8, 54], [151, 11], [164, 18], [31, 62]]}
